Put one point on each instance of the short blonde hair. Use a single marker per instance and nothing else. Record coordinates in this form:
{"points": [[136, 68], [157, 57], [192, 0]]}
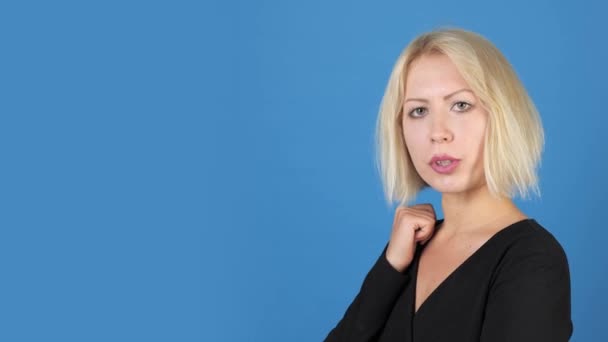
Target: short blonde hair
{"points": [[514, 137]]}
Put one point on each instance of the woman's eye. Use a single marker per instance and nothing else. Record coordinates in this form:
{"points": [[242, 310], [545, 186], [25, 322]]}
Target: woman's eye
{"points": [[416, 112], [462, 106]]}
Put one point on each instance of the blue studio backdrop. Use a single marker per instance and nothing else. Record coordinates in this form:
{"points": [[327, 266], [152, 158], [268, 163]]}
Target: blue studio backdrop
{"points": [[204, 171]]}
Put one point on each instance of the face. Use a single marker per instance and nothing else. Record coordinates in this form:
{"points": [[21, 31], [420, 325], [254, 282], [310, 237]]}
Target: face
{"points": [[443, 118]]}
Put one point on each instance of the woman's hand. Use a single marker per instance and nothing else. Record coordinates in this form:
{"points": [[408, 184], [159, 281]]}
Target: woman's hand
{"points": [[410, 226]]}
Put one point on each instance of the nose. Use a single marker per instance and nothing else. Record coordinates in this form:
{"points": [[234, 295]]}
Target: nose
{"points": [[440, 132]]}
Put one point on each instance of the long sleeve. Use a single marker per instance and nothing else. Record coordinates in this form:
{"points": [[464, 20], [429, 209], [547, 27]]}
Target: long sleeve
{"points": [[367, 314], [530, 297]]}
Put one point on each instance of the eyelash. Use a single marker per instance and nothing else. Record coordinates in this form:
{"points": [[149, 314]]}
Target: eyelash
{"points": [[469, 106]]}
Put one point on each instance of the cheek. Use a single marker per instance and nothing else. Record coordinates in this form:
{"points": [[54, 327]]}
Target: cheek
{"points": [[414, 142], [474, 133], [480, 131]]}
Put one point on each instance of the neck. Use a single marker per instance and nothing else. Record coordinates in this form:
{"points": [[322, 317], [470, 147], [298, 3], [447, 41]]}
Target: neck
{"points": [[475, 209]]}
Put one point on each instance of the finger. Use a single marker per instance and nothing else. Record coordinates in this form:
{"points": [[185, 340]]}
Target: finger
{"points": [[423, 214], [428, 209], [424, 241], [425, 206], [425, 232]]}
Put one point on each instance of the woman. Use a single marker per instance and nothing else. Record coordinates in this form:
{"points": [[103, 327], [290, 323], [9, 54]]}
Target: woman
{"points": [[456, 118]]}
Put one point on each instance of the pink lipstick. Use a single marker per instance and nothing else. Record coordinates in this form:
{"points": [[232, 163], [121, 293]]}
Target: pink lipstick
{"points": [[443, 163]]}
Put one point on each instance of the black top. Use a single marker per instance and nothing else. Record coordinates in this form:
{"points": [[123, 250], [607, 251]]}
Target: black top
{"points": [[515, 287]]}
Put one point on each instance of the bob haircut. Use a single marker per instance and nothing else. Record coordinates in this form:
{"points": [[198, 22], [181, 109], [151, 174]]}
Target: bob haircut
{"points": [[514, 137]]}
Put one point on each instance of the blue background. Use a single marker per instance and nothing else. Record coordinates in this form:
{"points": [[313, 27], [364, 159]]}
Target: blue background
{"points": [[204, 171]]}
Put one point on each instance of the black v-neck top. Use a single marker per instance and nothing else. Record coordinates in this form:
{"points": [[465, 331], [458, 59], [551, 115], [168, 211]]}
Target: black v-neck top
{"points": [[515, 287]]}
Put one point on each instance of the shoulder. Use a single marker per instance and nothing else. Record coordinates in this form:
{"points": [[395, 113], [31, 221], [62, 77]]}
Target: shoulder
{"points": [[531, 248], [534, 238], [530, 288]]}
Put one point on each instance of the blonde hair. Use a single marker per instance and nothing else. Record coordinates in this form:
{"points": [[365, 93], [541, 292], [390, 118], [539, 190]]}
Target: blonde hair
{"points": [[514, 137]]}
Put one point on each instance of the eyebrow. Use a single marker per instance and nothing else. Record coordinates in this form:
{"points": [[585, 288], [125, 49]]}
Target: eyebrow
{"points": [[445, 97]]}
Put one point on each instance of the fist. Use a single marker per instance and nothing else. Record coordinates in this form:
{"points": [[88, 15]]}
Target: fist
{"points": [[411, 225]]}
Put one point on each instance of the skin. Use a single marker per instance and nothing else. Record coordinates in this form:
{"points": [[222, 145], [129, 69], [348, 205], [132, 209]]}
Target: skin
{"points": [[432, 124], [441, 114]]}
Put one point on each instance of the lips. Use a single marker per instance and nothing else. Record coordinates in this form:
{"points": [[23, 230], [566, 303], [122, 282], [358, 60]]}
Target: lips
{"points": [[444, 163]]}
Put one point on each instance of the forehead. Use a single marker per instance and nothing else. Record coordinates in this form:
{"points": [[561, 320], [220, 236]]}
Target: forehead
{"points": [[433, 75]]}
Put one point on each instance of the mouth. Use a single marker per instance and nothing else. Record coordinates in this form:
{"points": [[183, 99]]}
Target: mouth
{"points": [[444, 164]]}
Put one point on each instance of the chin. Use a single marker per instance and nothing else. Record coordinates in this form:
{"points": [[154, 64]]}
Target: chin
{"points": [[447, 185], [447, 189]]}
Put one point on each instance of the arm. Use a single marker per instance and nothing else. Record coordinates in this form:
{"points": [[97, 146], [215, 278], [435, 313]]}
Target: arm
{"points": [[530, 297], [367, 314]]}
